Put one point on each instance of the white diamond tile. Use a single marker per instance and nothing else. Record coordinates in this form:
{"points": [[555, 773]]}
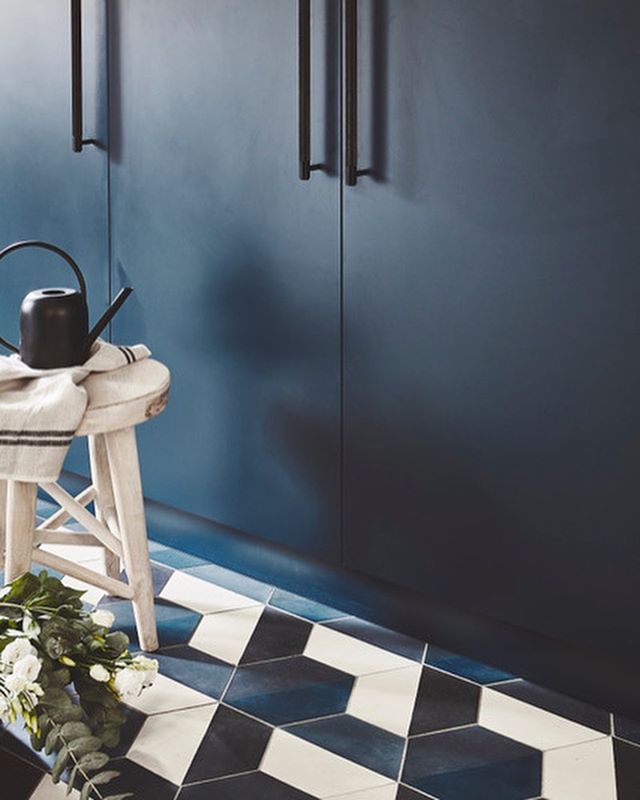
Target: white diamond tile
{"points": [[202, 596], [386, 699], [167, 743], [225, 635], [583, 772], [349, 654], [167, 695], [528, 724], [48, 790], [314, 770]]}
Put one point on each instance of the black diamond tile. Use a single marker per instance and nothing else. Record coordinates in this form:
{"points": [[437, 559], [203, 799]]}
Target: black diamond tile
{"points": [[560, 704], [472, 764], [194, 668], [254, 786], [356, 740], [396, 642], [16, 740], [19, 778], [276, 635], [289, 690], [444, 701], [233, 743], [465, 667], [139, 781], [129, 731], [626, 728], [160, 575], [627, 761], [404, 793]]}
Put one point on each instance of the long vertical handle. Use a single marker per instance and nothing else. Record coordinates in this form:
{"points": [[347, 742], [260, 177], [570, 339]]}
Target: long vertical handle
{"points": [[76, 79], [351, 100], [304, 88]]}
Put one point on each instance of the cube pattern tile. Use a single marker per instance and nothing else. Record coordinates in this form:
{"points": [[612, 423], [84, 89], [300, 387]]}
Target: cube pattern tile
{"points": [[266, 695]]}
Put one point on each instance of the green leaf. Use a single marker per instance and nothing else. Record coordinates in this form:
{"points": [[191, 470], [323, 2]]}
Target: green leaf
{"points": [[55, 699], [117, 641], [60, 678], [85, 744], [52, 740], [85, 794], [61, 763], [93, 761], [110, 735], [104, 777], [73, 713], [75, 730], [72, 779]]}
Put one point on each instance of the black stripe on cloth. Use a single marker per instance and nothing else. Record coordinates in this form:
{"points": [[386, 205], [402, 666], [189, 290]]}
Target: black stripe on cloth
{"points": [[131, 353], [123, 350], [36, 442], [45, 434]]}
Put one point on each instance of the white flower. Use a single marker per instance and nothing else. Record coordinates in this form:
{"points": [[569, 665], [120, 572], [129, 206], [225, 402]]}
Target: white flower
{"points": [[15, 650], [102, 617], [28, 668], [129, 682], [149, 666], [99, 673], [4, 710], [30, 627], [16, 683]]}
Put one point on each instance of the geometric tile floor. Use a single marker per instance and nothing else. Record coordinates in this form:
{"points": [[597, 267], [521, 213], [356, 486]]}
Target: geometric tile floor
{"points": [[265, 695]]}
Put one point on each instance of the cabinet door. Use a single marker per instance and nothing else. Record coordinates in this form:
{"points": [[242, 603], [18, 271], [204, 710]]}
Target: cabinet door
{"points": [[46, 190], [492, 379], [234, 260]]}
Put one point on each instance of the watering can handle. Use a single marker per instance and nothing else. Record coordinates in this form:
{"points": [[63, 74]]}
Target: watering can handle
{"points": [[54, 249]]}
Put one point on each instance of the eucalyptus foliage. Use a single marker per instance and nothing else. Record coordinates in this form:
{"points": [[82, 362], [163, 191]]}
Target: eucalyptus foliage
{"points": [[64, 672]]}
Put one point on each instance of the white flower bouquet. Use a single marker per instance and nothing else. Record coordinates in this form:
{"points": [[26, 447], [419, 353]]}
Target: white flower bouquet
{"points": [[63, 672]]}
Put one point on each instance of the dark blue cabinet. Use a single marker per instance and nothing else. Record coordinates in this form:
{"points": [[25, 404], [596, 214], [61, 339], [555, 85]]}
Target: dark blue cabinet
{"points": [[235, 261], [46, 190], [492, 381]]}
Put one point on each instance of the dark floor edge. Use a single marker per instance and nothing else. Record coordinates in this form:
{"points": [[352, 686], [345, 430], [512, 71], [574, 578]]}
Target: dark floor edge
{"points": [[597, 676]]}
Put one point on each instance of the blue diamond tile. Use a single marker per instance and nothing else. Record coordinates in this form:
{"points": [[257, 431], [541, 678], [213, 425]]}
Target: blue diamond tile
{"points": [[172, 557], [396, 642], [254, 786], [303, 607], [195, 669], [472, 764], [176, 624], [234, 581], [465, 667], [289, 690], [356, 740], [233, 743]]}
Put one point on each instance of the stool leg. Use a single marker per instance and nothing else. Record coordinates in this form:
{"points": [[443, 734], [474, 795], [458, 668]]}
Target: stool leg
{"points": [[21, 519], [3, 520], [101, 479], [127, 490]]}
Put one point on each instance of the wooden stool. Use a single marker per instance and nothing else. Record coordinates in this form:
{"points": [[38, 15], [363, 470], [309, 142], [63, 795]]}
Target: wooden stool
{"points": [[118, 401]]}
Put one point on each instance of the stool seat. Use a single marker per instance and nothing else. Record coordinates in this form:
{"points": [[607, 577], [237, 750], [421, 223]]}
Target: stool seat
{"points": [[124, 397]]}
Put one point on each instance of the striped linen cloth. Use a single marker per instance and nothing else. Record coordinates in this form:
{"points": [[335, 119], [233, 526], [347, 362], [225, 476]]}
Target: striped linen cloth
{"points": [[41, 409]]}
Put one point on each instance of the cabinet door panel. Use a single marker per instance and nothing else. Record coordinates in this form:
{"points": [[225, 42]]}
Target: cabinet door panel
{"points": [[491, 310], [234, 260], [46, 190]]}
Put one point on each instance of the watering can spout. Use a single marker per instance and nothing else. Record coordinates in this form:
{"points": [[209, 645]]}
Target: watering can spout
{"points": [[108, 315]]}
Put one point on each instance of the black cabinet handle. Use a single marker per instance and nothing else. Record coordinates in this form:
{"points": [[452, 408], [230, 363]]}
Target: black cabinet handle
{"points": [[76, 78], [351, 99], [304, 91]]}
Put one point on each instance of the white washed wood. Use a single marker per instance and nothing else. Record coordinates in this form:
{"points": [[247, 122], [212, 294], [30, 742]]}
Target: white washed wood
{"points": [[3, 520], [83, 516], [53, 561], [125, 397], [21, 513], [127, 490], [61, 516], [105, 509]]}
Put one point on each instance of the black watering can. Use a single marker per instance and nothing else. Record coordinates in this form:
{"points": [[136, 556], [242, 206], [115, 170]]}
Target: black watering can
{"points": [[54, 323]]}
